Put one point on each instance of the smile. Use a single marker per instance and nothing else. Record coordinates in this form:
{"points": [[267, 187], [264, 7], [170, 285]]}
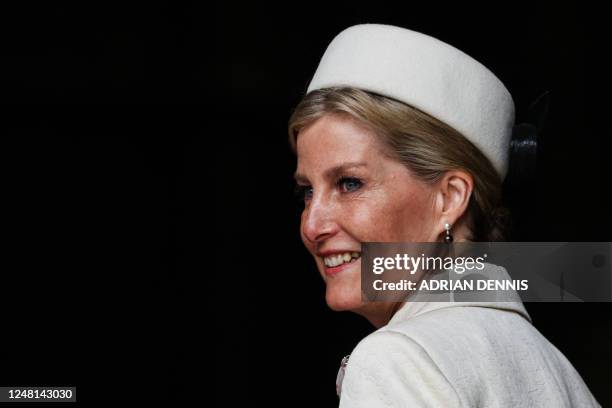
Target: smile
{"points": [[341, 258]]}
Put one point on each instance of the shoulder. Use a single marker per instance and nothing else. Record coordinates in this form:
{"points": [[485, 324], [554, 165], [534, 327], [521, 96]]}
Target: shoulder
{"points": [[492, 357], [382, 347], [449, 331], [389, 369], [438, 358]]}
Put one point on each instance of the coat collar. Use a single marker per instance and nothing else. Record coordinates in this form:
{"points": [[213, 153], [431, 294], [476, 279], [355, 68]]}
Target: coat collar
{"points": [[423, 303]]}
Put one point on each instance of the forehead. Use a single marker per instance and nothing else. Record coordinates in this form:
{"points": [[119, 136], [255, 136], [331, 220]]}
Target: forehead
{"points": [[334, 139]]}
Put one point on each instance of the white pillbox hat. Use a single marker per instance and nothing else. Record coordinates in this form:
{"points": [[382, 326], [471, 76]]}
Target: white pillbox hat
{"points": [[427, 74]]}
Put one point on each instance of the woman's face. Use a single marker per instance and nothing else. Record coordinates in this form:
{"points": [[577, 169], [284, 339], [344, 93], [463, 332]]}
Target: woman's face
{"points": [[355, 193]]}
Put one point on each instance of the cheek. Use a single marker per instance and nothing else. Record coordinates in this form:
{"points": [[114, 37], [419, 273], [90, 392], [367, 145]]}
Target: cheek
{"points": [[393, 217]]}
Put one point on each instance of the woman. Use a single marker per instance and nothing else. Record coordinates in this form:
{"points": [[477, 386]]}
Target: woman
{"points": [[403, 138]]}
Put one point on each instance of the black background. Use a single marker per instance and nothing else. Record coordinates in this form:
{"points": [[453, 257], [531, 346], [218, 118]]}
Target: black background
{"points": [[151, 235]]}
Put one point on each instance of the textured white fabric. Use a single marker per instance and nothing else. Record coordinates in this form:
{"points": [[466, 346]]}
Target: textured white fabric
{"points": [[443, 354], [425, 73]]}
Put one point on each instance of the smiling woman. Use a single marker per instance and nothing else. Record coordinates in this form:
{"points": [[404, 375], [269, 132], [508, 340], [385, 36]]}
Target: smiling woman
{"points": [[403, 138], [349, 181]]}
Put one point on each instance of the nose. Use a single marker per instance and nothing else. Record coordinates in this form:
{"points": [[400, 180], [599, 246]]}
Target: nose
{"points": [[319, 220]]}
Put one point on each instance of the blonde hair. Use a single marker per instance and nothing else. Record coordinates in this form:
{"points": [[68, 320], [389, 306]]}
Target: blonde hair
{"points": [[425, 145]]}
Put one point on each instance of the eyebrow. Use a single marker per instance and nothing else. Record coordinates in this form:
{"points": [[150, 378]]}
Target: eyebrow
{"points": [[332, 172]]}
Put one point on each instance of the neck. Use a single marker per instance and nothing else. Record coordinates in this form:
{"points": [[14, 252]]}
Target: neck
{"points": [[381, 313], [461, 231]]}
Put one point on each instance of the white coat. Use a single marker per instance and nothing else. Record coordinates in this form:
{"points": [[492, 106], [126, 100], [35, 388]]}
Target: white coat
{"points": [[457, 354]]}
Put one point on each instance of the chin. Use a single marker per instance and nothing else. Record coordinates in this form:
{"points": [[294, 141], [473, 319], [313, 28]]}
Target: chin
{"points": [[340, 301]]}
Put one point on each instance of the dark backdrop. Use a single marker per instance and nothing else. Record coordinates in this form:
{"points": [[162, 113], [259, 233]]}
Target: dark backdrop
{"points": [[123, 123], [281, 334]]}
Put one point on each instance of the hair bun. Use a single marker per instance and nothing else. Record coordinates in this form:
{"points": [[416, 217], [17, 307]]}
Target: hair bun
{"points": [[523, 155], [524, 145]]}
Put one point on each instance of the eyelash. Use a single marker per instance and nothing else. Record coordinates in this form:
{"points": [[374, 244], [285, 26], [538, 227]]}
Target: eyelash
{"points": [[355, 180], [302, 190]]}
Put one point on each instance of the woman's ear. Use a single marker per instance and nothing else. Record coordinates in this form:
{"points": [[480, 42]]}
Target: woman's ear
{"points": [[454, 192]]}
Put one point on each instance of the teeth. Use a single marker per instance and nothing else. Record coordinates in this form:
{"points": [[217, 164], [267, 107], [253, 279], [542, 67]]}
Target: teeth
{"points": [[339, 259]]}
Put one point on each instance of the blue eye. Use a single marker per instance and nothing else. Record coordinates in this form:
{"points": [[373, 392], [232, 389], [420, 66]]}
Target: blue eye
{"points": [[348, 184], [303, 193]]}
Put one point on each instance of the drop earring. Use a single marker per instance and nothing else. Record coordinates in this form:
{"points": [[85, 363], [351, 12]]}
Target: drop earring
{"points": [[448, 238]]}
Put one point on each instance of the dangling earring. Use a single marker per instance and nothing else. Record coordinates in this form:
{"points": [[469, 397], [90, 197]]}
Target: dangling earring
{"points": [[448, 238]]}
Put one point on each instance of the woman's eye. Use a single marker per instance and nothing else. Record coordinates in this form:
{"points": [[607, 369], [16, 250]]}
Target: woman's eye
{"points": [[348, 184], [303, 192]]}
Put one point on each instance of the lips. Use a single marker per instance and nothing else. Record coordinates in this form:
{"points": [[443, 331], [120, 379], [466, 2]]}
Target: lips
{"points": [[339, 260]]}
